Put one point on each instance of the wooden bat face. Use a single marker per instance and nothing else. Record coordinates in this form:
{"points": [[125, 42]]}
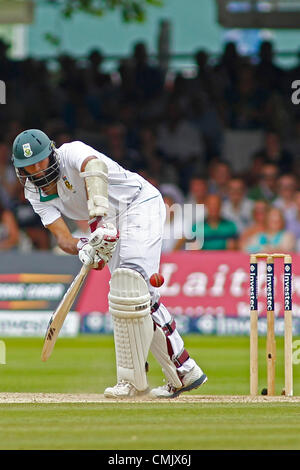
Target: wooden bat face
{"points": [[58, 317]]}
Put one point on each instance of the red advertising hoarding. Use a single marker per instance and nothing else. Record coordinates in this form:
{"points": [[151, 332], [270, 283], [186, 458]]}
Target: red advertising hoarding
{"points": [[205, 282]]}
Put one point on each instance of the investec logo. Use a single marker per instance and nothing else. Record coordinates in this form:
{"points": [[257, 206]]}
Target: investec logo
{"points": [[287, 287], [253, 293], [270, 287]]}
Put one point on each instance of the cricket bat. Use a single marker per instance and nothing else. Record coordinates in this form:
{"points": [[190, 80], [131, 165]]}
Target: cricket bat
{"points": [[57, 319]]}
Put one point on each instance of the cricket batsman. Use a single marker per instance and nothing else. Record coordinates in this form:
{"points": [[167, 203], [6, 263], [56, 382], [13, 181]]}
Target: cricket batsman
{"points": [[83, 184]]}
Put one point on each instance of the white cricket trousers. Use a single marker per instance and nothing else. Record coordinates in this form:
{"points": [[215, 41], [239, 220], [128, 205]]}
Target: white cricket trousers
{"points": [[139, 247]]}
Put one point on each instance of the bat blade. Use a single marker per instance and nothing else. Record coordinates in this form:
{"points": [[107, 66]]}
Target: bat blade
{"points": [[58, 317]]}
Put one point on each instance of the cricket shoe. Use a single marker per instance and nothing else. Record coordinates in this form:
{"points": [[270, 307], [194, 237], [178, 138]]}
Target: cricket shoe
{"points": [[123, 389], [191, 380]]}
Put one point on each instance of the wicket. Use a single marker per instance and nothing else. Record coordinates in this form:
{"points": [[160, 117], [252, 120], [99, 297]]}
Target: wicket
{"points": [[271, 339]]}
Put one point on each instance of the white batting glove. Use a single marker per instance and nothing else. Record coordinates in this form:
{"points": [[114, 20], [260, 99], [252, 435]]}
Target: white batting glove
{"points": [[86, 252], [104, 239], [99, 246]]}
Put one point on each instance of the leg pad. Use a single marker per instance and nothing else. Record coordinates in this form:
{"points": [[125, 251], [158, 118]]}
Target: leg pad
{"points": [[129, 305]]}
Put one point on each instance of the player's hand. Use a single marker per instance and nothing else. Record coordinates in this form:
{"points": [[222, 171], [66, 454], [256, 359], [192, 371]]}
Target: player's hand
{"points": [[104, 239], [86, 252], [99, 246]]}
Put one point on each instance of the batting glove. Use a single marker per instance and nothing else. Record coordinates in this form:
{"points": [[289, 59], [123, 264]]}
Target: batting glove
{"points": [[99, 247]]}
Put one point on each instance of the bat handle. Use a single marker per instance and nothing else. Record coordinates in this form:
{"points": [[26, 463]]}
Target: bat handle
{"points": [[93, 223]]}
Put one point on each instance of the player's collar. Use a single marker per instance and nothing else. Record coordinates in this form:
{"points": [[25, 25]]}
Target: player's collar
{"points": [[47, 198]]}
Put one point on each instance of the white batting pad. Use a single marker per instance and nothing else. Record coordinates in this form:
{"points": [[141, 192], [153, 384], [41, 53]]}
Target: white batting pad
{"points": [[159, 350], [129, 305]]}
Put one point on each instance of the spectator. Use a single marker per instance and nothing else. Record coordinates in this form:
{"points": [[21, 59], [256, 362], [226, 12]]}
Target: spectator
{"points": [[220, 175], [72, 88], [273, 152], [8, 180], [177, 138], [171, 190], [229, 63], [128, 116], [293, 143], [204, 80], [204, 115], [182, 143], [244, 101], [148, 79], [267, 187], [217, 233], [253, 174], [259, 214], [154, 159], [152, 180], [237, 207], [116, 147], [97, 83], [4, 61], [195, 203], [63, 138], [168, 131], [293, 224], [179, 92], [9, 232], [268, 74], [29, 223], [173, 228], [95, 75], [197, 190], [287, 187], [275, 238], [194, 208]]}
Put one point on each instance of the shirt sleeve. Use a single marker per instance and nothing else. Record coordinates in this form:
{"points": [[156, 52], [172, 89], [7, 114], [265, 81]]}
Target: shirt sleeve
{"points": [[77, 152], [47, 213]]}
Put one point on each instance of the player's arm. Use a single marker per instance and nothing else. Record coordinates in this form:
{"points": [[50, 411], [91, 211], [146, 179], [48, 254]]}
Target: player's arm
{"points": [[95, 174], [98, 249], [64, 238], [101, 244], [60, 230]]}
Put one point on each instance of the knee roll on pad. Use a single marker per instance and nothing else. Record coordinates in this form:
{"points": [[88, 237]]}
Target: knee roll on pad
{"points": [[129, 305]]}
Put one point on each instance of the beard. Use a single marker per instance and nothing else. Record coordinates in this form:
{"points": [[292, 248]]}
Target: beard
{"points": [[48, 177]]}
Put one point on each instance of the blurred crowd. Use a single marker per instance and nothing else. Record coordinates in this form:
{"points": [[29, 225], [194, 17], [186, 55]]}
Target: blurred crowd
{"points": [[170, 129]]}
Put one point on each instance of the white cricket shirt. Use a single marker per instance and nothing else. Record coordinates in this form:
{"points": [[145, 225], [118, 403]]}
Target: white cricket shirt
{"points": [[124, 187]]}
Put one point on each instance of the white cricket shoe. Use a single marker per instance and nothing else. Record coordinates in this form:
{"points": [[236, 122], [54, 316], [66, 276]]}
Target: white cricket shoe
{"points": [[191, 380], [123, 389]]}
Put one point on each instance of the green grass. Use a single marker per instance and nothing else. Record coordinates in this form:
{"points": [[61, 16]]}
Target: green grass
{"points": [[147, 426], [87, 365]]}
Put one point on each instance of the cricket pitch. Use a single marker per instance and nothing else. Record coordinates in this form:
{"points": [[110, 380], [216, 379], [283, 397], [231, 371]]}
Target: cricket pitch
{"points": [[99, 398]]}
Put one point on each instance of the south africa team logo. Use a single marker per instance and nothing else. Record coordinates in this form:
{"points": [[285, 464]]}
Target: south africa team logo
{"points": [[68, 184], [27, 150]]}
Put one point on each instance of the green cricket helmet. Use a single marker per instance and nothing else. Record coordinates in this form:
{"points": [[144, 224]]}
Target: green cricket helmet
{"points": [[30, 147]]}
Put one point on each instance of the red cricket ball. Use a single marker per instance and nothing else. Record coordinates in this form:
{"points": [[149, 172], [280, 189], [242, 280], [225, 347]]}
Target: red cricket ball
{"points": [[156, 280]]}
